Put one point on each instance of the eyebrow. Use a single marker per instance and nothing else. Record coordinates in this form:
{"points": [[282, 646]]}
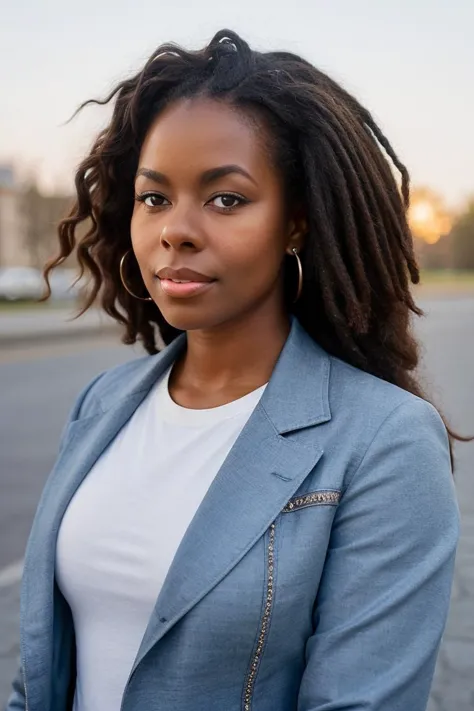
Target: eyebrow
{"points": [[209, 176]]}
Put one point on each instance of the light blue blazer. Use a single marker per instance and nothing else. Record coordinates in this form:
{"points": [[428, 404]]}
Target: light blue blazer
{"points": [[315, 575]]}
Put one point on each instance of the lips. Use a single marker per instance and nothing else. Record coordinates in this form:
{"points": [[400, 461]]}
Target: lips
{"points": [[183, 274], [183, 282]]}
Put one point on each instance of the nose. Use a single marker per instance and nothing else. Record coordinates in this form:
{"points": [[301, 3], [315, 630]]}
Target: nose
{"points": [[182, 232]]}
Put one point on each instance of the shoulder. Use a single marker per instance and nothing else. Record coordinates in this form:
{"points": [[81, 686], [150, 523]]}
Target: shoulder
{"points": [[356, 402], [377, 427], [371, 400]]}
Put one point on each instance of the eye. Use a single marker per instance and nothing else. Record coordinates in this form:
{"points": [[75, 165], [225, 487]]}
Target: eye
{"points": [[152, 199], [227, 201]]}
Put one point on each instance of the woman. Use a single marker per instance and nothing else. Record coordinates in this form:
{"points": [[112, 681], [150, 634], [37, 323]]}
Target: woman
{"points": [[262, 515]]}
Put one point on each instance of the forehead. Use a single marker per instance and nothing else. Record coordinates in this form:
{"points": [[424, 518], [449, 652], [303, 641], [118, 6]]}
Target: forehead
{"points": [[205, 133]]}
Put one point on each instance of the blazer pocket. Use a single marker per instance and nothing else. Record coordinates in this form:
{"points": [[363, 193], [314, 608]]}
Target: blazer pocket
{"points": [[323, 497]]}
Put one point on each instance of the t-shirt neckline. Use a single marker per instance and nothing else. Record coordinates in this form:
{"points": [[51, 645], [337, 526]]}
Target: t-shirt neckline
{"points": [[172, 412]]}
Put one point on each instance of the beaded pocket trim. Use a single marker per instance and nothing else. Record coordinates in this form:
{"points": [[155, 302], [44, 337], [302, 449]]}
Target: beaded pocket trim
{"points": [[316, 498], [265, 623]]}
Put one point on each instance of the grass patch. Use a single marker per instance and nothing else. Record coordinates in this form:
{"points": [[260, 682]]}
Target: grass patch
{"points": [[447, 276], [446, 281], [16, 306]]}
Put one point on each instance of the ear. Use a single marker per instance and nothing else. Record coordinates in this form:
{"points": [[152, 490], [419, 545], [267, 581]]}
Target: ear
{"points": [[297, 230]]}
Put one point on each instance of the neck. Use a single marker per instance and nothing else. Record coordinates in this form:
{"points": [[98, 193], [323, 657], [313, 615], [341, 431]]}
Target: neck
{"points": [[229, 361]]}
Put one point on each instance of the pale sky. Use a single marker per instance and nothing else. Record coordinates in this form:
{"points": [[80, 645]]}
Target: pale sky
{"points": [[410, 61]]}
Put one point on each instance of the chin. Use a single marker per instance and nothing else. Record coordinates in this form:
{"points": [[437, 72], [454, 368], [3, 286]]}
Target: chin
{"points": [[187, 319], [191, 317]]}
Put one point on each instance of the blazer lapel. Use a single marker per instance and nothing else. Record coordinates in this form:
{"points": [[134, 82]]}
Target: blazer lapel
{"points": [[260, 474]]}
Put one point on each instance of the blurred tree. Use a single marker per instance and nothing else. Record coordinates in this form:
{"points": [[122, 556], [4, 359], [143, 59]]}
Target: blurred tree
{"points": [[30, 200], [42, 214], [462, 239], [434, 256]]}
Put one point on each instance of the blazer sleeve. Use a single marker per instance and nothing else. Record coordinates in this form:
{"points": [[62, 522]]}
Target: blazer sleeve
{"points": [[16, 701], [384, 595], [85, 399]]}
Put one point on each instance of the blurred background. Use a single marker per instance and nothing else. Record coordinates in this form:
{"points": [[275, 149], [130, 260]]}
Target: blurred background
{"points": [[411, 62]]}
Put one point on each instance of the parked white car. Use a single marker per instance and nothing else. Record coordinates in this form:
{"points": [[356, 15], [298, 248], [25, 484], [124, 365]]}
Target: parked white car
{"points": [[20, 283], [62, 284]]}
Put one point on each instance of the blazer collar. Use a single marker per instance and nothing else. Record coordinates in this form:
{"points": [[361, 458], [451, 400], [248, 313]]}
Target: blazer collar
{"points": [[296, 397]]}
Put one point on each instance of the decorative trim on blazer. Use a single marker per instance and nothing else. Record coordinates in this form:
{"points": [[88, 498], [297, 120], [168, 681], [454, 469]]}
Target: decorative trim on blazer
{"points": [[315, 498], [265, 623]]}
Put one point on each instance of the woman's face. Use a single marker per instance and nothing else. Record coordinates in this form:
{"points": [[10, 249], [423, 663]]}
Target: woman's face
{"points": [[210, 225]]}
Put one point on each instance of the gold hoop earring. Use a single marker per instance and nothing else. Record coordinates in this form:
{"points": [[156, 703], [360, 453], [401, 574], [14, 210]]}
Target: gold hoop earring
{"points": [[122, 278], [300, 274]]}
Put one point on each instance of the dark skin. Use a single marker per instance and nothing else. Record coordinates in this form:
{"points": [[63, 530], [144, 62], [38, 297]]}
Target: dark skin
{"points": [[186, 218]]}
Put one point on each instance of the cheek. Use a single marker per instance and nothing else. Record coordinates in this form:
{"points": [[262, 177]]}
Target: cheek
{"points": [[254, 244]]}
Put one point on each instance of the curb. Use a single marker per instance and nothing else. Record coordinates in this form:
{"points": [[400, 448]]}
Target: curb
{"points": [[12, 340]]}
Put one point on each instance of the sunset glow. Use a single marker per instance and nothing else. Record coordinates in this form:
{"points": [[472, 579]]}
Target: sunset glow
{"points": [[428, 216]]}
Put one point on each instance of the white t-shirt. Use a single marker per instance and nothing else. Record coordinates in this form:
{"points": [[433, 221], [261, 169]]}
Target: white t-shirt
{"points": [[124, 524]]}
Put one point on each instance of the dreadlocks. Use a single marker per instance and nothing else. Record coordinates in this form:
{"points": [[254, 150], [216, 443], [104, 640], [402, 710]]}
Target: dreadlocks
{"points": [[358, 258]]}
